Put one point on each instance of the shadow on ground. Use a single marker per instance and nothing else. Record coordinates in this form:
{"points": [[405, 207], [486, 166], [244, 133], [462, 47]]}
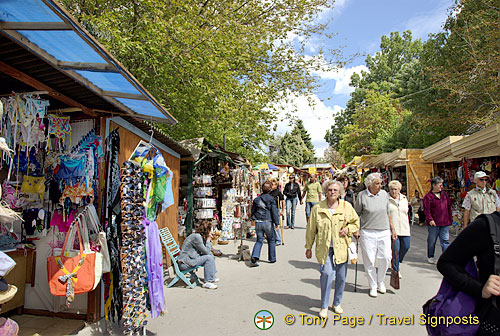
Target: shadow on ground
{"points": [[298, 303], [304, 264]]}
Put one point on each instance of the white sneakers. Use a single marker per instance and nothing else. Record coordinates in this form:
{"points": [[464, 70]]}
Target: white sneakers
{"points": [[215, 280], [381, 289], [338, 309], [431, 260], [209, 285]]}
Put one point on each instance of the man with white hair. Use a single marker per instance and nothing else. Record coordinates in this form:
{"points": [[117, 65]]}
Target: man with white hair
{"points": [[480, 200], [372, 206]]}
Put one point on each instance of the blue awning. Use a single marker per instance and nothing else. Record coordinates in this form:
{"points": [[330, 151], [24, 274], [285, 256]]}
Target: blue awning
{"points": [[50, 32]]}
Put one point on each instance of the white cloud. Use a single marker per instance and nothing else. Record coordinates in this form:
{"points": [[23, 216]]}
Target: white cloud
{"points": [[317, 118], [342, 78], [430, 22]]}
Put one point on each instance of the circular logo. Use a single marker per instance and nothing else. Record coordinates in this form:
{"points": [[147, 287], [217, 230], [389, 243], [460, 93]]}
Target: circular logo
{"points": [[263, 319]]}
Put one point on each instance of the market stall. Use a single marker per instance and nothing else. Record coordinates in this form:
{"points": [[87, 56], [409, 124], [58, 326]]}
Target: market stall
{"points": [[219, 189], [71, 119]]}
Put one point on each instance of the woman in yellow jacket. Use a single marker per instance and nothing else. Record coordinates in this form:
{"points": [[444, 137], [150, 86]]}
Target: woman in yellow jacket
{"points": [[331, 225]]}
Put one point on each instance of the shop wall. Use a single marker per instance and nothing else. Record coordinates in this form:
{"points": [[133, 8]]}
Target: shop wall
{"points": [[419, 172], [128, 143]]}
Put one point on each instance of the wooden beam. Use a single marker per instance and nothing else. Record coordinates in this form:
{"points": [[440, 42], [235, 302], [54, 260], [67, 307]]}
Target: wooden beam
{"points": [[100, 67], [34, 26], [124, 95], [7, 69]]}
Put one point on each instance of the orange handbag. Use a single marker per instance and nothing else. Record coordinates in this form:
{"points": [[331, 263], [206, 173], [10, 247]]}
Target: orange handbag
{"points": [[71, 275]]}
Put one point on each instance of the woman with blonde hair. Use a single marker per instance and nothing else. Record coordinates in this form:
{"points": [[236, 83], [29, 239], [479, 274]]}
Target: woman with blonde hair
{"points": [[398, 210], [331, 225]]}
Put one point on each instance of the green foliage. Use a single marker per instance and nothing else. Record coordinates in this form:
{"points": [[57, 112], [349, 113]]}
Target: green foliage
{"points": [[467, 65], [396, 51], [309, 154], [292, 149], [218, 66], [376, 127]]}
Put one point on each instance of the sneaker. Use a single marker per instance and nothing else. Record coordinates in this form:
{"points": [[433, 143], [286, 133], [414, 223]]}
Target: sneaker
{"points": [[253, 260], [338, 309], [272, 262], [373, 292], [381, 288], [431, 260], [293, 228], [323, 313], [209, 285], [287, 227], [215, 280]]}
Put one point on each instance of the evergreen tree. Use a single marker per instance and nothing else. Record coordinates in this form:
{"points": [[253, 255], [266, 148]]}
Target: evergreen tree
{"points": [[306, 138]]}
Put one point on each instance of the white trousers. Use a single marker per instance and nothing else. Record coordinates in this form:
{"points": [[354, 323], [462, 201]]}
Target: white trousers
{"points": [[376, 251]]}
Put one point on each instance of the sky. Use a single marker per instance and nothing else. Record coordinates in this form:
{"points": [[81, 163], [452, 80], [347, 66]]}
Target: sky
{"points": [[358, 26]]}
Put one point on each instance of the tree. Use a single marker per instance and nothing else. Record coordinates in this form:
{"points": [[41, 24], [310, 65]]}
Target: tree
{"points": [[306, 138], [376, 127], [330, 155], [383, 70], [218, 66], [465, 62], [292, 149]]}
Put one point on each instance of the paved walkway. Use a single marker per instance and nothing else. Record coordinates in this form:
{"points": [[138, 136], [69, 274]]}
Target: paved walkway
{"points": [[291, 286]]}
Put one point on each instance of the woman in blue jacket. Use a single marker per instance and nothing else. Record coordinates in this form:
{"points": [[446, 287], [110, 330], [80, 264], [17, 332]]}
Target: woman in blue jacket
{"points": [[266, 217]]}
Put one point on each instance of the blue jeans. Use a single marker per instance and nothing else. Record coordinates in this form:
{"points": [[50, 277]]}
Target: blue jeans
{"points": [[309, 206], [208, 263], [267, 229], [278, 236], [291, 205], [444, 239], [402, 246], [329, 272]]}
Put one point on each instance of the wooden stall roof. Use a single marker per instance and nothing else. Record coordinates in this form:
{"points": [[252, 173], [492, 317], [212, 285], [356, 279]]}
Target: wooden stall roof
{"points": [[480, 144], [396, 159], [366, 161], [379, 161], [441, 151]]}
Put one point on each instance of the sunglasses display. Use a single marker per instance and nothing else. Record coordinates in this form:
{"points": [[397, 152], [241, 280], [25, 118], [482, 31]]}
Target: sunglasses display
{"points": [[134, 279]]}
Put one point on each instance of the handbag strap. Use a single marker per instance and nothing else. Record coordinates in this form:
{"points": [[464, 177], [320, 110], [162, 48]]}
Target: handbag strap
{"points": [[75, 222]]}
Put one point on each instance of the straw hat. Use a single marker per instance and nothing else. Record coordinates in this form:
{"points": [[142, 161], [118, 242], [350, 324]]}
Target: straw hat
{"points": [[7, 292]]}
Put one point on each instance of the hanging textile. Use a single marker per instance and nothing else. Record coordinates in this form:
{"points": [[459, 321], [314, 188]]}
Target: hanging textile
{"points": [[154, 258], [114, 296]]}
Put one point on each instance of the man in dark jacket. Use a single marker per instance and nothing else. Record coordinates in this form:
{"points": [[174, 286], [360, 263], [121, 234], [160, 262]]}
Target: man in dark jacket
{"points": [[293, 195], [266, 217]]}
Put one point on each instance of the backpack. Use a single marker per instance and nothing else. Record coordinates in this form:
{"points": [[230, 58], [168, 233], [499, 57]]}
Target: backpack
{"points": [[452, 303]]}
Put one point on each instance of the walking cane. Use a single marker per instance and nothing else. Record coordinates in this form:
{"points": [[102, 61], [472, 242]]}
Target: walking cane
{"points": [[356, 267]]}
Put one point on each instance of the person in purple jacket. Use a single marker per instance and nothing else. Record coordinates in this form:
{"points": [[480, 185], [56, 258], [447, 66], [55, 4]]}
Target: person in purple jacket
{"points": [[437, 209]]}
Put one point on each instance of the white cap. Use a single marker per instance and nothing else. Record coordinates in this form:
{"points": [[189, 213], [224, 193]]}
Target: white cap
{"points": [[479, 174]]}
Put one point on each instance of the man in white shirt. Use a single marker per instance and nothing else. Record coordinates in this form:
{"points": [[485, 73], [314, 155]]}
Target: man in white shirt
{"points": [[480, 200]]}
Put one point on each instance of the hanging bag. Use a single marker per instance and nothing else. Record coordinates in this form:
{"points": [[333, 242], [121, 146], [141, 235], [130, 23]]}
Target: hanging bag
{"points": [[394, 274], [86, 249], [352, 251], [68, 276], [100, 238]]}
